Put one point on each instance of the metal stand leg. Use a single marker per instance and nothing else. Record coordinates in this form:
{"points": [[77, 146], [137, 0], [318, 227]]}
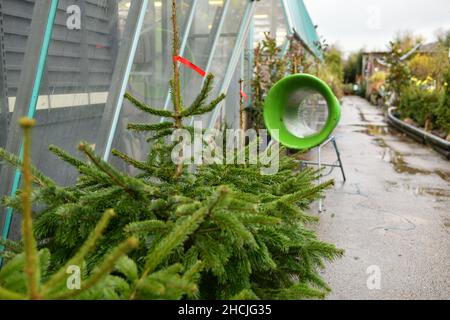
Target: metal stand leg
{"points": [[339, 159], [319, 162], [320, 165]]}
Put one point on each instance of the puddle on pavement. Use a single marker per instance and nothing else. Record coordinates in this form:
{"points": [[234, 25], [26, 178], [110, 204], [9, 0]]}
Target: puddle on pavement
{"points": [[447, 223], [376, 130], [393, 156], [401, 166], [439, 194], [362, 116], [444, 175], [435, 192]]}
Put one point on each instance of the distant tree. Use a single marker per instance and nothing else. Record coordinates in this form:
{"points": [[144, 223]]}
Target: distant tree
{"points": [[443, 37], [399, 71], [422, 66], [433, 65], [353, 67], [406, 40], [334, 63], [332, 70]]}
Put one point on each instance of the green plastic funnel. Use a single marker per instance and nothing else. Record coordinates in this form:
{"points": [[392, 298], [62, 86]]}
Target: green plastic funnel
{"points": [[303, 109]]}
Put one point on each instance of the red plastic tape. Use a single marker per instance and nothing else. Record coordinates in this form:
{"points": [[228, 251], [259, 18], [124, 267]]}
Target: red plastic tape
{"points": [[244, 95], [190, 65]]}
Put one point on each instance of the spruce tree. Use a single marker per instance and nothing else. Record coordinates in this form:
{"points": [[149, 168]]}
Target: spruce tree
{"points": [[218, 231], [28, 275]]}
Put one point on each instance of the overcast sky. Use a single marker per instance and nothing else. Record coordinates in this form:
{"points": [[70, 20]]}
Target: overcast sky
{"points": [[372, 23]]}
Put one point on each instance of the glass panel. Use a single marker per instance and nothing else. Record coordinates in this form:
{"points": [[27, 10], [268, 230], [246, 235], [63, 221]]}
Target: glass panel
{"points": [[225, 47], [152, 66], [151, 71], [231, 111], [269, 17], [227, 41], [200, 42]]}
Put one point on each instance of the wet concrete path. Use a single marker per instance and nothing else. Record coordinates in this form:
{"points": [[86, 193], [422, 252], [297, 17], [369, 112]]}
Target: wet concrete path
{"points": [[392, 215]]}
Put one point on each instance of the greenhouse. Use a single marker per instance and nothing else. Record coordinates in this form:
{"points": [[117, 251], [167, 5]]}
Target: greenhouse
{"points": [[118, 46], [95, 96]]}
